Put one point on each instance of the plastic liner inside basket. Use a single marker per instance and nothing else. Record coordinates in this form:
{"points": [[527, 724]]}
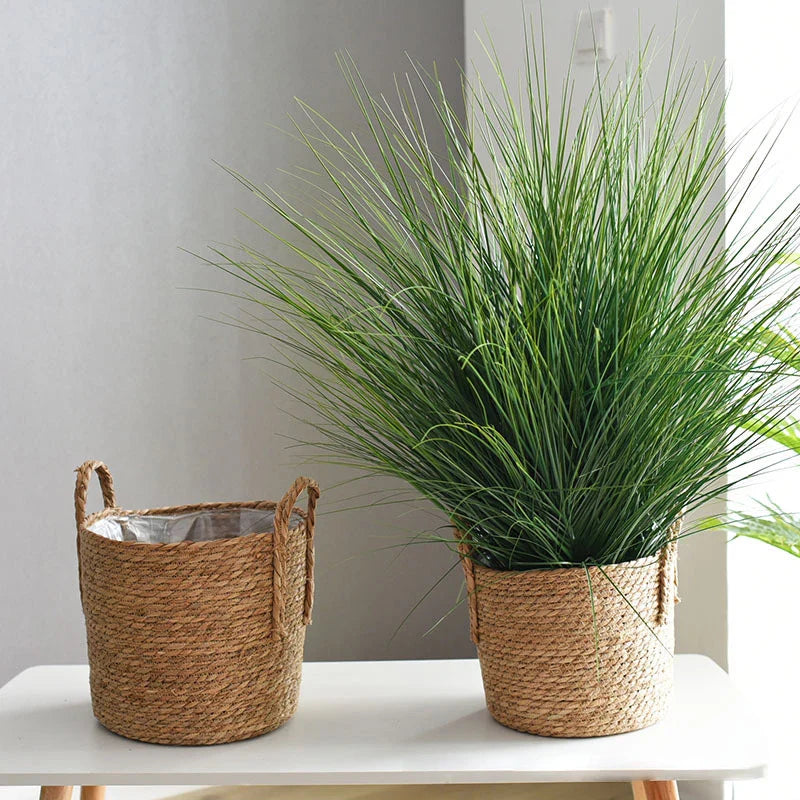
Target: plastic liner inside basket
{"points": [[196, 526]]}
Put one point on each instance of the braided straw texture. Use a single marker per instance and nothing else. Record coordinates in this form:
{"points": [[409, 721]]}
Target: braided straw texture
{"points": [[197, 642], [552, 668]]}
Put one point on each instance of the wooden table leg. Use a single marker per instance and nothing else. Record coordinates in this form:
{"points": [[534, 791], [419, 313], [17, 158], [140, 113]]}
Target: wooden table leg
{"points": [[655, 790], [55, 793], [93, 792]]}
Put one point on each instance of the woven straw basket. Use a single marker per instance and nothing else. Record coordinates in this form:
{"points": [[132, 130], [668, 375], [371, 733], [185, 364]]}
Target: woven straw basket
{"points": [[196, 641], [551, 667]]}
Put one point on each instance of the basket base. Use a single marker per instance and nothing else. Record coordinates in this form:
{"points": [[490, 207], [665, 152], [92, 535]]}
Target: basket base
{"points": [[198, 739], [547, 728]]}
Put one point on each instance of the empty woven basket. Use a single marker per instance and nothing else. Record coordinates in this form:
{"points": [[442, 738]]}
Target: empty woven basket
{"points": [[195, 615], [551, 666]]}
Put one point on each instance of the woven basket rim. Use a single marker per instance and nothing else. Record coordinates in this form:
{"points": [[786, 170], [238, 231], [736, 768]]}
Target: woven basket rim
{"points": [[637, 563], [189, 509]]}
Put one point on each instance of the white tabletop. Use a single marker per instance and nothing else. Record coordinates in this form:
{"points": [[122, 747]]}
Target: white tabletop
{"points": [[379, 722]]}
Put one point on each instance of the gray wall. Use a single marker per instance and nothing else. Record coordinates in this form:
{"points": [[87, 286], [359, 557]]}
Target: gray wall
{"points": [[111, 116]]}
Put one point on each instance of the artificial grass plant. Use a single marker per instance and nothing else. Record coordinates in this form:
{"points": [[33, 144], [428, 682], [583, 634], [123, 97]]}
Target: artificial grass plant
{"points": [[534, 317]]}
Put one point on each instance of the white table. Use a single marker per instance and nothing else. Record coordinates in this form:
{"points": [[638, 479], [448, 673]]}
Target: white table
{"points": [[386, 722]]}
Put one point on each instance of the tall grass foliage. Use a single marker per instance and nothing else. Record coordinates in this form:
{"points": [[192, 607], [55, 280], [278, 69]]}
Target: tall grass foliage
{"points": [[540, 318]]}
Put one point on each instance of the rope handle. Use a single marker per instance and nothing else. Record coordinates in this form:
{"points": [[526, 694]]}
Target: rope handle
{"points": [[469, 577], [283, 513], [84, 472], [668, 573]]}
